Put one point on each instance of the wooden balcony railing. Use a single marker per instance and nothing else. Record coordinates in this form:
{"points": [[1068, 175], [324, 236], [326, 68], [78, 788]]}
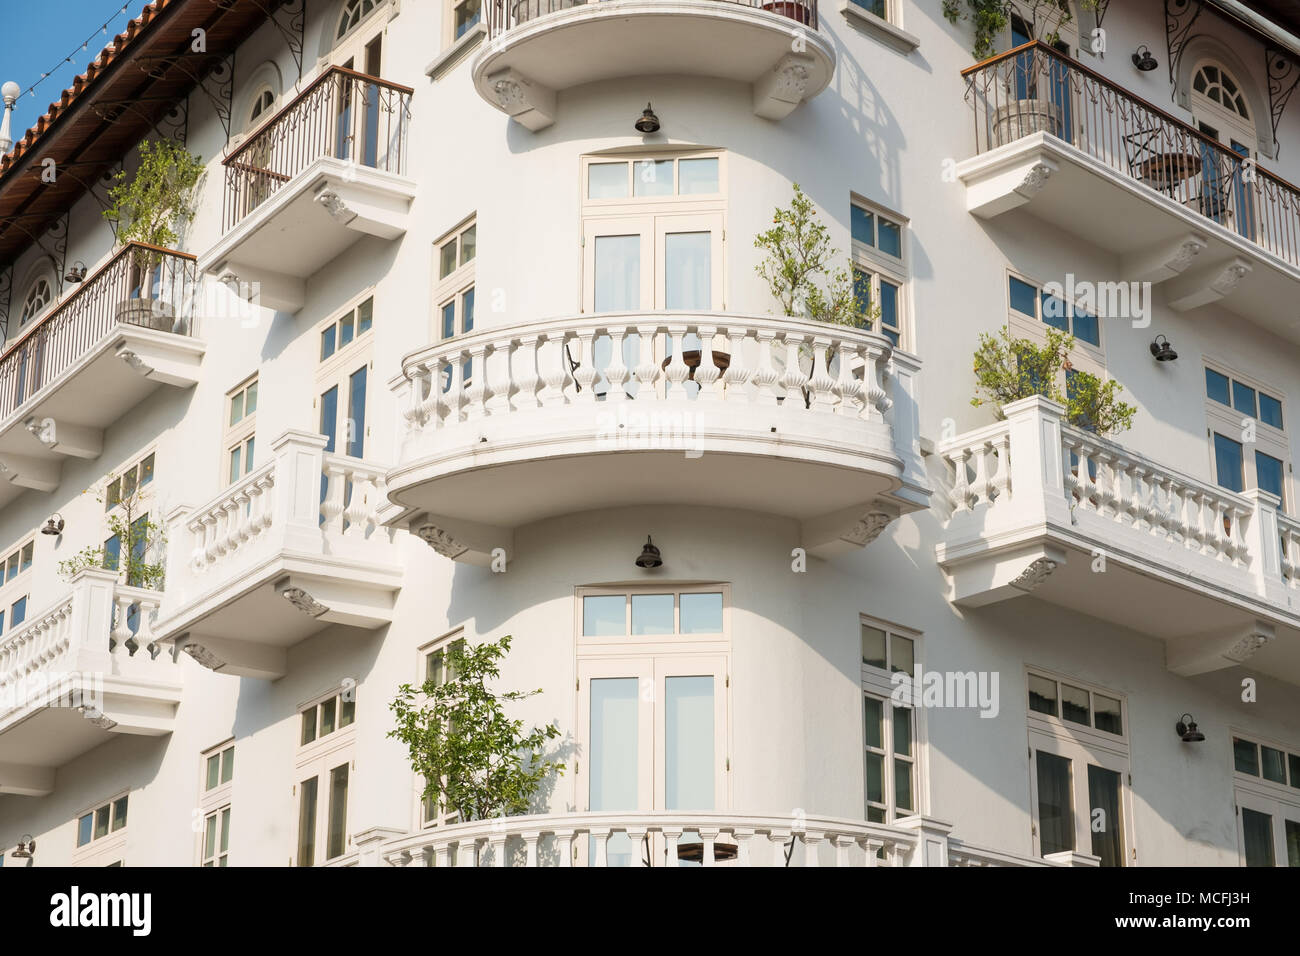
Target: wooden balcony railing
{"points": [[343, 114], [141, 285], [503, 15], [1035, 89]]}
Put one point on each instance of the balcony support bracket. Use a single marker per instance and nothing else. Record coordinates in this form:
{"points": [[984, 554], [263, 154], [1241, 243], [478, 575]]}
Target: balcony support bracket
{"points": [[75, 441], [1210, 284], [1217, 650], [528, 103], [778, 91], [1166, 262], [238, 658]]}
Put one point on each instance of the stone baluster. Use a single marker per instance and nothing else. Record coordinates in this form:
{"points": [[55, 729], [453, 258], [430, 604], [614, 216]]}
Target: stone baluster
{"points": [[677, 372], [357, 512], [531, 838], [812, 841], [331, 508], [981, 489], [1000, 483], [478, 393], [647, 370], [874, 377], [848, 386], [617, 373], [586, 374], [738, 372], [765, 376], [820, 383], [707, 376], [120, 645], [528, 377], [777, 840], [793, 378], [961, 493], [553, 369]]}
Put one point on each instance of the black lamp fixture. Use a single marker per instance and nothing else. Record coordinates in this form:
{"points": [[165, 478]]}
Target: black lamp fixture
{"points": [[1186, 730], [1162, 350], [648, 123], [1143, 59], [76, 272], [26, 848], [649, 557], [53, 525]]}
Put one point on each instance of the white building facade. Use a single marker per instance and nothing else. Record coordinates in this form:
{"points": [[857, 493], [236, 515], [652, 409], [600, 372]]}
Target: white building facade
{"points": [[428, 365]]}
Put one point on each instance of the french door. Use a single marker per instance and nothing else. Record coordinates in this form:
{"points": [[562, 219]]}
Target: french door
{"points": [[1080, 800], [323, 808], [1268, 831], [357, 127], [654, 738], [640, 263]]}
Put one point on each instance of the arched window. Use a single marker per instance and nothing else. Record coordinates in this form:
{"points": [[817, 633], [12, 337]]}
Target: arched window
{"points": [[1218, 86], [261, 107], [353, 13], [38, 299]]}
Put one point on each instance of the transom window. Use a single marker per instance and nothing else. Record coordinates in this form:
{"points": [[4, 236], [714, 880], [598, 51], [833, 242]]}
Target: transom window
{"points": [[329, 716], [637, 614], [652, 178], [353, 13], [1079, 769], [37, 300], [1218, 86], [241, 426], [1248, 444], [1267, 796], [101, 833], [879, 269]]}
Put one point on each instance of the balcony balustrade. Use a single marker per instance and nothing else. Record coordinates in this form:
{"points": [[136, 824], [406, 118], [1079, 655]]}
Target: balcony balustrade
{"points": [[291, 548], [128, 328], [324, 171], [511, 425], [1041, 507], [81, 670], [538, 49], [1076, 150], [683, 838]]}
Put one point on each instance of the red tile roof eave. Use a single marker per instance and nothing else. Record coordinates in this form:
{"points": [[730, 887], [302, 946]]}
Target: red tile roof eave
{"points": [[84, 82]]}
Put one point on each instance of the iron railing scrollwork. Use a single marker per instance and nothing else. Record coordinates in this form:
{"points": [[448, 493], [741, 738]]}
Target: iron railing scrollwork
{"points": [[1035, 89], [343, 114], [141, 285]]}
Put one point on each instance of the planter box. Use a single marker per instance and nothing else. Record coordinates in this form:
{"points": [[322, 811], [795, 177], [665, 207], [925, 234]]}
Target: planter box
{"points": [[1023, 118], [148, 313]]}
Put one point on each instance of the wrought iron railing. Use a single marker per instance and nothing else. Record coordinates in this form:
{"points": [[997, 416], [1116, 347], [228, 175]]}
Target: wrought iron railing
{"points": [[504, 15], [141, 285], [343, 114], [1035, 89]]}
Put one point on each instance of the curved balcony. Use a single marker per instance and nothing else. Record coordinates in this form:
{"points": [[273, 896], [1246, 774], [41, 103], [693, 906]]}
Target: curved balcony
{"points": [[509, 426], [540, 48]]}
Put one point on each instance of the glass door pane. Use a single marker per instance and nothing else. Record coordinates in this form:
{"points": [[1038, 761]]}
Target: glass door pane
{"points": [[687, 270], [1055, 804], [1107, 827], [689, 743], [617, 274], [1292, 843], [615, 756], [356, 423], [338, 818], [307, 823], [1257, 837]]}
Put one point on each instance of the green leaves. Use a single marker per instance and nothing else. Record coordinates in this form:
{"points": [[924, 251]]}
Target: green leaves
{"points": [[991, 18], [799, 251], [477, 762], [140, 546], [156, 201], [1008, 369]]}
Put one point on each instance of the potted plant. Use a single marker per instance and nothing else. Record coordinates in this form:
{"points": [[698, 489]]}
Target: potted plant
{"points": [[793, 9], [149, 208], [1008, 369], [476, 762]]}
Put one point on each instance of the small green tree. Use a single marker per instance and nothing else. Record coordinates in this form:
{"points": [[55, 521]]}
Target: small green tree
{"points": [[1008, 369], [154, 203], [991, 18], [476, 761], [799, 254], [137, 556]]}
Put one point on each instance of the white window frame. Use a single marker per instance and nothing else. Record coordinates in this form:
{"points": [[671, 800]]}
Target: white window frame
{"points": [[337, 369], [240, 435], [1228, 421], [1280, 801], [424, 820], [18, 587], [1081, 746], [318, 758], [878, 265], [111, 847], [601, 656], [653, 218], [25, 320], [452, 288], [877, 683], [215, 804], [450, 8]]}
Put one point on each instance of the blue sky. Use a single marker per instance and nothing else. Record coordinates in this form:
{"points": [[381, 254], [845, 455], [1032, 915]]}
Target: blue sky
{"points": [[35, 38]]}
